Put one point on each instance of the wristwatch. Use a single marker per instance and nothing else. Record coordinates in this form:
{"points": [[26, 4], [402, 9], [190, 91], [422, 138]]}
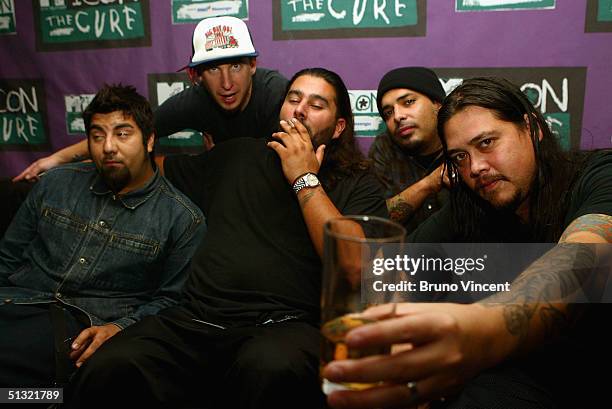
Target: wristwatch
{"points": [[306, 180]]}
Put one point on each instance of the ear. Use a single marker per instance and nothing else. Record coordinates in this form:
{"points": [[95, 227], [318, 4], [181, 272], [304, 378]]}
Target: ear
{"points": [[540, 134], [150, 142], [192, 73], [253, 65], [436, 107], [340, 125]]}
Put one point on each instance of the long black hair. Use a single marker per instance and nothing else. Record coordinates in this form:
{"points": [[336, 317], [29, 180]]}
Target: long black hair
{"points": [[556, 169], [342, 155]]}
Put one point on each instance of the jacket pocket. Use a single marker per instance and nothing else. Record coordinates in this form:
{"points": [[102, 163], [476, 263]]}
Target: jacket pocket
{"points": [[59, 236], [134, 244], [63, 220]]}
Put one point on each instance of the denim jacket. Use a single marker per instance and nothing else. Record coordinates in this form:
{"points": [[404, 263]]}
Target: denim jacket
{"points": [[117, 258]]}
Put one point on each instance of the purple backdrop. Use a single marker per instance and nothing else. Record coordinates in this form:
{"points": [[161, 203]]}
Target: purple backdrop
{"points": [[540, 38]]}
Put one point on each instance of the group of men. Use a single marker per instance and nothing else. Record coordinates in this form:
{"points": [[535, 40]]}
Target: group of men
{"points": [[95, 266]]}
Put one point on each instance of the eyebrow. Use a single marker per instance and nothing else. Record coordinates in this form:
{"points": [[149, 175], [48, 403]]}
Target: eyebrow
{"points": [[475, 140], [400, 98], [228, 61], [300, 94], [123, 125], [118, 126], [95, 127], [295, 92]]}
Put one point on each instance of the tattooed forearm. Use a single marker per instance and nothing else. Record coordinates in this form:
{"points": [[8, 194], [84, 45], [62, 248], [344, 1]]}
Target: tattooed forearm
{"points": [[306, 197], [599, 224], [399, 209], [556, 320], [517, 318], [545, 291], [78, 158]]}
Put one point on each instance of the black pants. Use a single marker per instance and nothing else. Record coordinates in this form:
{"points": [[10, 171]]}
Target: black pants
{"points": [[560, 375], [27, 345], [171, 361]]}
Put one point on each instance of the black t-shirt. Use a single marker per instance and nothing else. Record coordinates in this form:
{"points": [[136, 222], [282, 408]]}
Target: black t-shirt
{"points": [[591, 193], [397, 170], [194, 108], [257, 260]]}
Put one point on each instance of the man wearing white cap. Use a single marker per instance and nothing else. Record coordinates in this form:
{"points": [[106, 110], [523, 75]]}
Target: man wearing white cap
{"points": [[230, 96]]}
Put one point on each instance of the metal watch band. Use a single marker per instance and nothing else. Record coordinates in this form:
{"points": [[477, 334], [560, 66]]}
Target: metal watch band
{"points": [[300, 183]]}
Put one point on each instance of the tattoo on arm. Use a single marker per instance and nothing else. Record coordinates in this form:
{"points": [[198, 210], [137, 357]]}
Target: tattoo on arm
{"points": [[599, 224], [306, 197], [399, 209], [547, 291], [78, 158]]}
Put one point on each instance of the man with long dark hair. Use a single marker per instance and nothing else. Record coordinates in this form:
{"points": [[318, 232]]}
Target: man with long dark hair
{"points": [[530, 347], [478, 194], [246, 335]]}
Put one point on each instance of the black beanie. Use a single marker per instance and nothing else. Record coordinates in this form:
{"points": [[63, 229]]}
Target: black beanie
{"points": [[419, 79]]}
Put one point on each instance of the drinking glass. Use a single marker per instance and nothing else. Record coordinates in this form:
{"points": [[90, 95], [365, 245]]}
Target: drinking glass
{"points": [[350, 245]]}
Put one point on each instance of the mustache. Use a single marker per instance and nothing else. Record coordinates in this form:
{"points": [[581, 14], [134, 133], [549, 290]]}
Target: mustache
{"points": [[405, 123], [306, 125], [111, 159], [484, 180]]}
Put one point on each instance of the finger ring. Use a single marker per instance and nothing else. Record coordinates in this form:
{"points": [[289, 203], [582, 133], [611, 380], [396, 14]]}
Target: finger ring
{"points": [[412, 387]]}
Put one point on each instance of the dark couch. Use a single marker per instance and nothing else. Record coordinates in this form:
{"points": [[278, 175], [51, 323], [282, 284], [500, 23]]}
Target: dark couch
{"points": [[12, 196]]}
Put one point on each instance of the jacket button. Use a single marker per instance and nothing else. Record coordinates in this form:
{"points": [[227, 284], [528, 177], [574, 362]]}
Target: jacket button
{"points": [[58, 295], [82, 260], [102, 224]]}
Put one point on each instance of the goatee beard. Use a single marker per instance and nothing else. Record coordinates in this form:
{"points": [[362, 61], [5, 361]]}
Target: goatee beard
{"points": [[116, 179]]}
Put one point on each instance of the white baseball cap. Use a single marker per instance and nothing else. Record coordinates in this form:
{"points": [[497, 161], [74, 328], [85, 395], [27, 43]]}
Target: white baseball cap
{"points": [[219, 38]]}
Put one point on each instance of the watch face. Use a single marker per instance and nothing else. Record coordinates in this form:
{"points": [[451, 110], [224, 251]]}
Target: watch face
{"points": [[312, 180]]}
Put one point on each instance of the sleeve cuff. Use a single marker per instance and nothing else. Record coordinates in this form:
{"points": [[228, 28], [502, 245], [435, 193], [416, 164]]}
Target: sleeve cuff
{"points": [[124, 322]]}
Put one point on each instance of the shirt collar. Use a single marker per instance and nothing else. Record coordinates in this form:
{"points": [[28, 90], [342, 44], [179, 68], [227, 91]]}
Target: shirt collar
{"points": [[132, 199]]}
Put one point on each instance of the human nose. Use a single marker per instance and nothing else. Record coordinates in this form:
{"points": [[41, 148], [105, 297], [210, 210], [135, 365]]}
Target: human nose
{"points": [[226, 79], [109, 144], [300, 110], [399, 114], [478, 164]]}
